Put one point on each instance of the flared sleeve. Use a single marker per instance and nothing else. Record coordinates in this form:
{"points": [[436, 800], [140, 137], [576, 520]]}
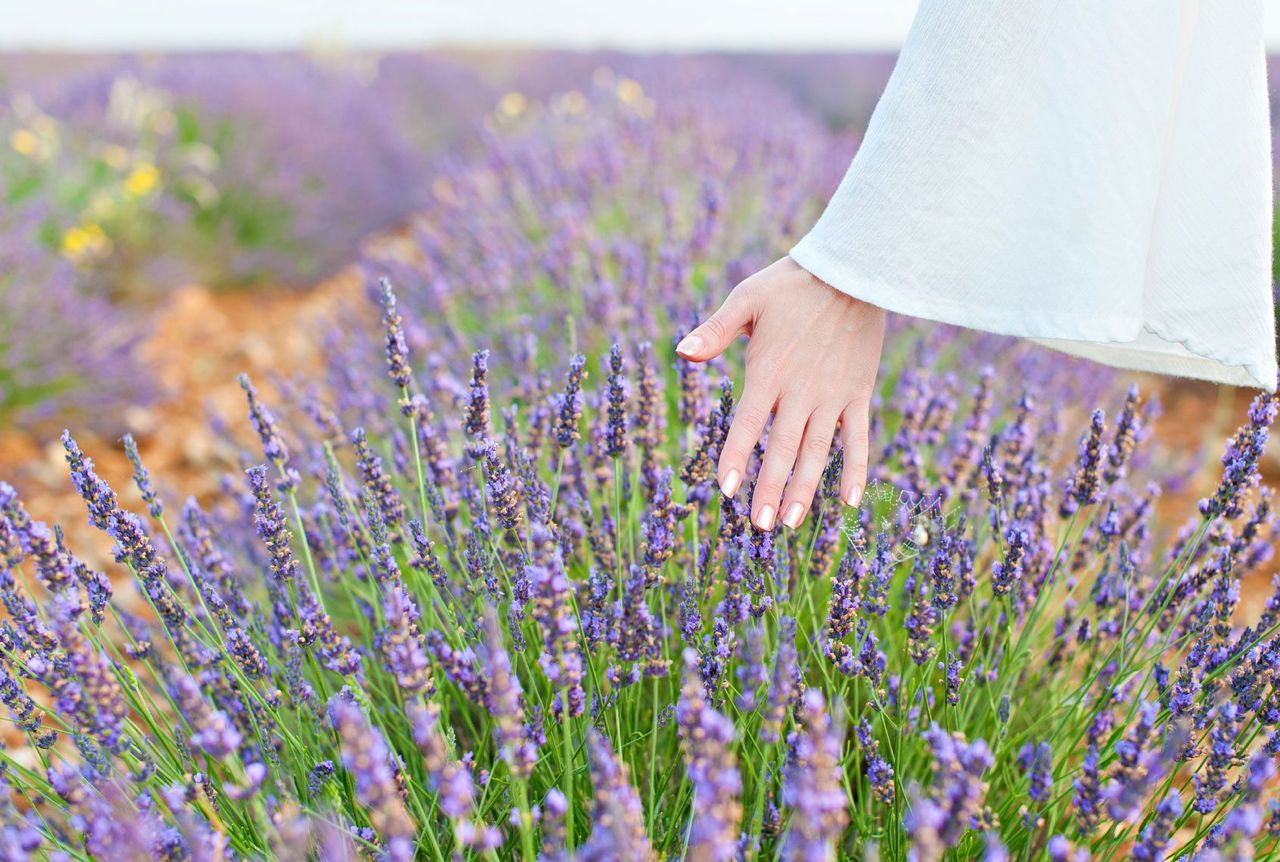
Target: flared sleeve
{"points": [[1092, 175]]}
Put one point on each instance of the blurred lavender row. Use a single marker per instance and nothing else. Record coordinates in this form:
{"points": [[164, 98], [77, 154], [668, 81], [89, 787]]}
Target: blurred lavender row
{"points": [[128, 176]]}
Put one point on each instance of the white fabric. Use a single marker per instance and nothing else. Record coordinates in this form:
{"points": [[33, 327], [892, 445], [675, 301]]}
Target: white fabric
{"points": [[1095, 175]]}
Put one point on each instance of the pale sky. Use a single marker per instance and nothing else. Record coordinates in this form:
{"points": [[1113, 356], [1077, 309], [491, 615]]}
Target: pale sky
{"points": [[628, 24]]}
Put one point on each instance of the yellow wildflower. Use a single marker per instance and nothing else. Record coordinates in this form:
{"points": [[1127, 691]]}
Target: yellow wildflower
{"points": [[24, 141], [142, 180], [512, 104], [85, 241], [629, 91]]}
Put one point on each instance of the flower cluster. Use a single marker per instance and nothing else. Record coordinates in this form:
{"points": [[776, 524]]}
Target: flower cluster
{"points": [[494, 607]]}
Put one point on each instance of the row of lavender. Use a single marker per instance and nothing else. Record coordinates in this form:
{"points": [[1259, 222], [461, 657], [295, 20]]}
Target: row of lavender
{"points": [[494, 606], [123, 177]]}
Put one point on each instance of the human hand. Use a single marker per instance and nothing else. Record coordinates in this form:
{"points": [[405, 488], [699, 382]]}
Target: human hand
{"points": [[812, 361]]}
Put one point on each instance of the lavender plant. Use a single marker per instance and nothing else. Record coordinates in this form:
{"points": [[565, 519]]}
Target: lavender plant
{"points": [[453, 639], [476, 595]]}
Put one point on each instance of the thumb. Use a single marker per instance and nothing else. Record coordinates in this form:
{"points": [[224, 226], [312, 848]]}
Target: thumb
{"points": [[717, 332]]}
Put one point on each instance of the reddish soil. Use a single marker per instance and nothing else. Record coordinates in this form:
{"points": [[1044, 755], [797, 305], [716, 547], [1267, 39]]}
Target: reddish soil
{"points": [[202, 340]]}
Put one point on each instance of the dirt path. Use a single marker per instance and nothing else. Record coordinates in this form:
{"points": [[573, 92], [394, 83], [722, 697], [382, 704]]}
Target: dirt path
{"points": [[202, 340]]}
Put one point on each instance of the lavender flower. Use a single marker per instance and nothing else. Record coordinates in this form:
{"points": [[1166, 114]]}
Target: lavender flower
{"points": [[1128, 429], [1085, 485], [369, 761], [97, 494], [397, 348], [477, 421], [1222, 755], [1240, 461], [939, 819], [214, 733], [378, 484], [617, 817], [616, 433], [269, 520], [505, 702], [84, 685], [879, 771], [502, 488], [658, 529], [134, 546], [920, 623], [569, 405], [561, 658], [706, 738], [752, 673], [782, 688], [273, 445], [1007, 572], [1037, 762], [401, 643], [142, 478], [554, 839], [1155, 835], [811, 785]]}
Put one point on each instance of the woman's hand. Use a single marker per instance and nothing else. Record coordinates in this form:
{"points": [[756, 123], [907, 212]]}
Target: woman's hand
{"points": [[812, 361]]}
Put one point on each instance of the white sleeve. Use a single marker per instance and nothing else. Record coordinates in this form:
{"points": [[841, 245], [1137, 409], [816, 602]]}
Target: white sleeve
{"points": [[1094, 175]]}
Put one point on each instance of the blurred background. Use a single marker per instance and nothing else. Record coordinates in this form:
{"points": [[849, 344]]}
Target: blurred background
{"points": [[189, 189]]}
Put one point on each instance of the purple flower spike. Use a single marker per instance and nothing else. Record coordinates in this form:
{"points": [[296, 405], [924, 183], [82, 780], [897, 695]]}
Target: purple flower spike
{"points": [[561, 659], [1085, 485], [97, 494], [400, 641], [1240, 461], [706, 738], [477, 420], [1154, 837], [811, 785], [273, 445], [368, 759], [879, 770], [397, 348], [616, 428], [1037, 762], [954, 801], [142, 478], [84, 686], [269, 520], [505, 702], [617, 817], [214, 733], [569, 404]]}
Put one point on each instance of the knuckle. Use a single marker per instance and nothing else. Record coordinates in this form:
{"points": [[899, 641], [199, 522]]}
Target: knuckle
{"points": [[715, 328], [786, 440], [751, 417], [817, 445], [857, 439], [856, 470]]}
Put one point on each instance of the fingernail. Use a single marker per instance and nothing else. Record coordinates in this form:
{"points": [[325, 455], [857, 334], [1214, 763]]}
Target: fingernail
{"points": [[794, 513], [765, 519], [855, 496], [729, 486], [689, 345]]}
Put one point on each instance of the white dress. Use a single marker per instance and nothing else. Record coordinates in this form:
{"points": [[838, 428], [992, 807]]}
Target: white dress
{"points": [[1094, 174]]}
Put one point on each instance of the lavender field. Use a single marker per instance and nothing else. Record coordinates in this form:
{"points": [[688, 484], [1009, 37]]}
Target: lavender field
{"points": [[462, 585]]}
